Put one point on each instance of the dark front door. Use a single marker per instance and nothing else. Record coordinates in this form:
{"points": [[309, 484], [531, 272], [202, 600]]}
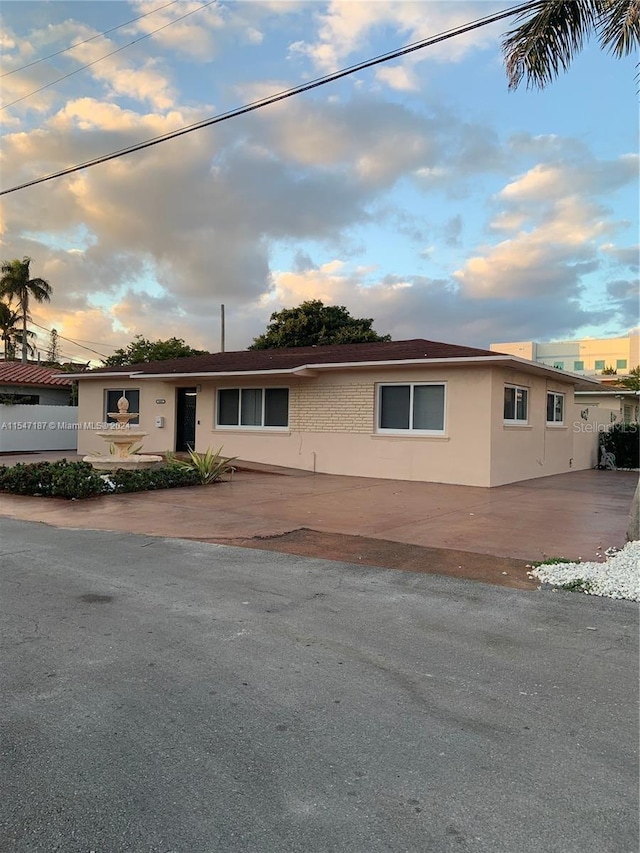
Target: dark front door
{"points": [[186, 418]]}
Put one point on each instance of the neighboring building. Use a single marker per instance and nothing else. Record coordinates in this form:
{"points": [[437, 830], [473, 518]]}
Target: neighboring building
{"points": [[586, 357], [409, 410], [32, 384], [609, 406]]}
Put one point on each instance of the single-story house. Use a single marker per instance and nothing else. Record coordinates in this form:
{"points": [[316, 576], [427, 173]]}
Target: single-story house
{"points": [[33, 385], [411, 410], [609, 406]]}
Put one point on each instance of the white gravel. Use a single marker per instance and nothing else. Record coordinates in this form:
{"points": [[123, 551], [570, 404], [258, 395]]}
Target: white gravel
{"points": [[618, 577]]}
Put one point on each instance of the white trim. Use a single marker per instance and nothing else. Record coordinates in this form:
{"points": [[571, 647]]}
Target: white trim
{"points": [[555, 394], [519, 422]]}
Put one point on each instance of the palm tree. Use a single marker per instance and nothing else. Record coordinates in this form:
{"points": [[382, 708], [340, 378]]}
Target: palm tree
{"points": [[553, 31], [10, 331], [16, 284]]}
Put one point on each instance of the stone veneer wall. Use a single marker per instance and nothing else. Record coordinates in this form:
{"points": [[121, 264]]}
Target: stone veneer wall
{"points": [[333, 408]]}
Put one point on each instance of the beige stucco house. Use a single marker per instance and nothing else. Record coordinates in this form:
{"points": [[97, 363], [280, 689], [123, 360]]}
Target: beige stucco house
{"points": [[411, 410]]}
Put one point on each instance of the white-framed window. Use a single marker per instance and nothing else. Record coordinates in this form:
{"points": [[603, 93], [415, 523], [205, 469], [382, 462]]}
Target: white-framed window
{"points": [[555, 408], [414, 407], [111, 398], [252, 408], [516, 404]]}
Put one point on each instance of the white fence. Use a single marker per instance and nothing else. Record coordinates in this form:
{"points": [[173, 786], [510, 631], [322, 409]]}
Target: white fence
{"points": [[33, 428]]}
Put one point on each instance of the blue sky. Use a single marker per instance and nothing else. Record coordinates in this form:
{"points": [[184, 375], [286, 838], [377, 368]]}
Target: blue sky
{"points": [[421, 193]]}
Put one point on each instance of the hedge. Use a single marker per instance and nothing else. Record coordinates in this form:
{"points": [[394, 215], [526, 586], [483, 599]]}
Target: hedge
{"points": [[623, 441], [63, 479]]}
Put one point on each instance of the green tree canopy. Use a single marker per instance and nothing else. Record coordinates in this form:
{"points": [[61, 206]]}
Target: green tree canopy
{"points": [[552, 32], [632, 381], [142, 350], [11, 331], [16, 284], [315, 324]]}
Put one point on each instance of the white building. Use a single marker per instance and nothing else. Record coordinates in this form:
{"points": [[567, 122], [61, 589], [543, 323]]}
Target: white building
{"points": [[586, 357]]}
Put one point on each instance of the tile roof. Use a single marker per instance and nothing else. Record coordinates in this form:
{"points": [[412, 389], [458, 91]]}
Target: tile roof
{"points": [[288, 359], [17, 373]]}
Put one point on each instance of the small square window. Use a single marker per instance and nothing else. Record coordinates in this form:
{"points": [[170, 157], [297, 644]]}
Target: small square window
{"points": [[516, 404], [559, 365], [578, 365], [599, 365], [621, 364], [111, 404]]}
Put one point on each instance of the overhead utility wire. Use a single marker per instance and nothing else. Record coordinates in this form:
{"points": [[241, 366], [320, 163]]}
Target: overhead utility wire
{"points": [[75, 343], [107, 55], [92, 38], [280, 96]]}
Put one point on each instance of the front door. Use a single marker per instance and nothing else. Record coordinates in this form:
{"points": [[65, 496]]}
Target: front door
{"points": [[186, 418]]}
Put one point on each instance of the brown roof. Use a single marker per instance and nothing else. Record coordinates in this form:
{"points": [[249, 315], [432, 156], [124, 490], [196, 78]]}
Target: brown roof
{"points": [[288, 359], [17, 373]]}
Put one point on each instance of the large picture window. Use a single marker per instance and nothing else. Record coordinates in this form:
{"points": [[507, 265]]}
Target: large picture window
{"points": [[516, 404], [111, 404], [555, 408], [253, 407], [417, 408]]}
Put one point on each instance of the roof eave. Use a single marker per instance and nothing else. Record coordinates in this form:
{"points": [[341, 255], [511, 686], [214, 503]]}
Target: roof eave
{"points": [[306, 370]]}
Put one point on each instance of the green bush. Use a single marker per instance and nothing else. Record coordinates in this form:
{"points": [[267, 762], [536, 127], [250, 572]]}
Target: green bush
{"points": [[149, 479], [76, 480], [65, 479], [623, 441], [52, 479]]}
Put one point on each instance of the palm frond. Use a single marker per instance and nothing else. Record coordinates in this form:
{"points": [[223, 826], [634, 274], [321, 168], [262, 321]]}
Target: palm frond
{"points": [[619, 26], [549, 37]]}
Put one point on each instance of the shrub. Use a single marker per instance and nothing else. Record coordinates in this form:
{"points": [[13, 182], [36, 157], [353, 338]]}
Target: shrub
{"points": [[208, 466], [75, 480], [65, 479], [623, 441], [150, 479], [52, 479]]}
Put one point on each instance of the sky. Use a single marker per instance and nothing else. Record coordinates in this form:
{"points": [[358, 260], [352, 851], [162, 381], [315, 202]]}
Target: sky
{"points": [[421, 193]]}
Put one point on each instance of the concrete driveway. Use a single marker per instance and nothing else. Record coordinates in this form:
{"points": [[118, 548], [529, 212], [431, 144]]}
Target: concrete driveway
{"points": [[459, 530], [163, 696]]}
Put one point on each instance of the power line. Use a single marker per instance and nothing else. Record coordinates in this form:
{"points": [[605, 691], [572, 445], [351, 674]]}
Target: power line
{"points": [[107, 55], [78, 43], [69, 340], [280, 96]]}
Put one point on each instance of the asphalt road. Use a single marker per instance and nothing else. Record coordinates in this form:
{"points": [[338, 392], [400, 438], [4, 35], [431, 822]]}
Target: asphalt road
{"points": [[162, 696]]}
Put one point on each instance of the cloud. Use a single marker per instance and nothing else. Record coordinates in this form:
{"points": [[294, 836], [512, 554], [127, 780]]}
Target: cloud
{"points": [[627, 256], [283, 204], [346, 28], [554, 222], [398, 77]]}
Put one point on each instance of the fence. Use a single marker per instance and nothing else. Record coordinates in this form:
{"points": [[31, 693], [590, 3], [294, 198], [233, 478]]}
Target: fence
{"points": [[38, 428]]}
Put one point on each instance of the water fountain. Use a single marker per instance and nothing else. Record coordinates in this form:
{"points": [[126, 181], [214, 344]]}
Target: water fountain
{"points": [[123, 443]]}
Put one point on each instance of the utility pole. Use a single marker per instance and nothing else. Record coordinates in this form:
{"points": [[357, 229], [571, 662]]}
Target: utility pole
{"points": [[222, 328]]}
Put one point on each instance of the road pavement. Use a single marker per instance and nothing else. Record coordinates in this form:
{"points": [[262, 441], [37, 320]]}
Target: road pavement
{"points": [[165, 696]]}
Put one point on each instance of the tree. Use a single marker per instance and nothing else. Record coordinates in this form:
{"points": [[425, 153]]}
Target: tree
{"points": [[16, 284], [11, 331], [632, 381], [53, 350], [314, 324], [552, 32], [141, 350]]}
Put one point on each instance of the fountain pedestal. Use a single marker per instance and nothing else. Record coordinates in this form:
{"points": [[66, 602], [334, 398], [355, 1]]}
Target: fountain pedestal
{"points": [[122, 439]]}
